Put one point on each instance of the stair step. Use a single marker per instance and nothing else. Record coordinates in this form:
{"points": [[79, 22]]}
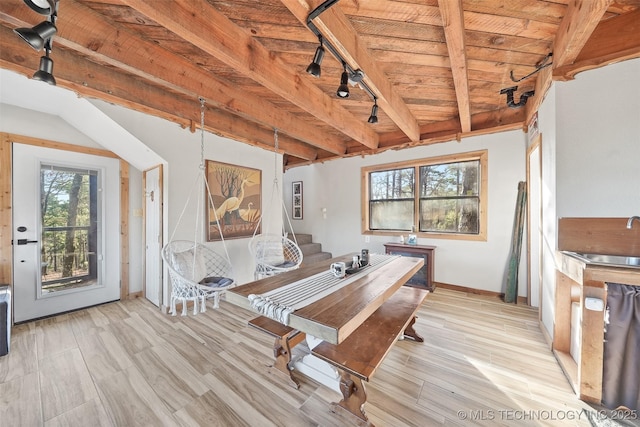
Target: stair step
{"points": [[303, 239], [316, 257], [310, 248]]}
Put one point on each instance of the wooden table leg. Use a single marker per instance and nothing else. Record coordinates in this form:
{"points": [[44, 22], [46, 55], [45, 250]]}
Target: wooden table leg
{"points": [[410, 332], [282, 354], [353, 396]]}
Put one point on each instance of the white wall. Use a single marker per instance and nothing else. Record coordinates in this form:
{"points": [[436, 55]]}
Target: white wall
{"points": [[599, 142], [591, 152], [22, 121], [335, 185], [181, 148]]}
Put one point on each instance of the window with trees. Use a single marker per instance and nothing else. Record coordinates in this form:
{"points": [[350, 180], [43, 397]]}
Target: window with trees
{"points": [[436, 197], [69, 213]]}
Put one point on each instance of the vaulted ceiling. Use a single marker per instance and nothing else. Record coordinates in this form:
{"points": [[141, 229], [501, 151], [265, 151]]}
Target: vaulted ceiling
{"points": [[435, 67]]}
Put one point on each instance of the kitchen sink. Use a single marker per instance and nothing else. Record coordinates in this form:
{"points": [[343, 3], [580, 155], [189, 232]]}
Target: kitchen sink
{"points": [[614, 260]]}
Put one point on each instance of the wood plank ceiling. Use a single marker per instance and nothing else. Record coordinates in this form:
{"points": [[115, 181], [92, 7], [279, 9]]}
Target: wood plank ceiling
{"points": [[436, 67]]}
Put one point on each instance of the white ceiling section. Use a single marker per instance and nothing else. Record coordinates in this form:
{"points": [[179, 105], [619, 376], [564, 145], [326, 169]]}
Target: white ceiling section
{"points": [[20, 91]]}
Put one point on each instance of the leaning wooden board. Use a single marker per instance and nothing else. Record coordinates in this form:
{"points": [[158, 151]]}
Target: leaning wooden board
{"points": [[336, 316]]}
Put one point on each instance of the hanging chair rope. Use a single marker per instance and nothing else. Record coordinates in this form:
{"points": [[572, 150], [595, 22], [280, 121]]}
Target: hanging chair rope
{"points": [[274, 253], [276, 191], [196, 271]]}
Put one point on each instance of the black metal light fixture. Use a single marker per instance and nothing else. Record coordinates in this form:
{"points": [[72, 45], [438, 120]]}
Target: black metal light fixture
{"points": [[41, 36], [356, 76], [37, 35], [343, 89], [43, 7], [373, 118], [510, 97], [45, 71], [314, 67]]}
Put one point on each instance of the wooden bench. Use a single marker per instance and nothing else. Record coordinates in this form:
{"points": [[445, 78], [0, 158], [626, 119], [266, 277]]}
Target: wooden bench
{"points": [[285, 339], [361, 353]]}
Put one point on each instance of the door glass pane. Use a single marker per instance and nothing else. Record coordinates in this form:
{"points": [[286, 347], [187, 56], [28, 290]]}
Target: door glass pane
{"points": [[69, 215]]}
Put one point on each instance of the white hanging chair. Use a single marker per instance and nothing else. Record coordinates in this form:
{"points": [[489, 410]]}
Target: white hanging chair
{"points": [[274, 253], [196, 271]]}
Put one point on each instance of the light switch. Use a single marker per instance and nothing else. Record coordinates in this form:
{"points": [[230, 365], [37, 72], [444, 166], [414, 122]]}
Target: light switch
{"points": [[593, 304]]}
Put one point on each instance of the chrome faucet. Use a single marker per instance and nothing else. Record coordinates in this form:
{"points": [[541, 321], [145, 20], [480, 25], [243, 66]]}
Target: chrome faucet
{"points": [[630, 222]]}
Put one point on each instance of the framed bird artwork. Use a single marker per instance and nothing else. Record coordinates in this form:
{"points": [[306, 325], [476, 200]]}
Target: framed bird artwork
{"points": [[235, 205]]}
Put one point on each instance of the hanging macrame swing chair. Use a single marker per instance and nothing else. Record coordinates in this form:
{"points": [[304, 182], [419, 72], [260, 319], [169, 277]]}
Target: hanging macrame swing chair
{"points": [[196, 271], [274, 253]]}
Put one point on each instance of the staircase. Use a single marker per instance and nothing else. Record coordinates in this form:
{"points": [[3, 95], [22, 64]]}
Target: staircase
{"points": [[312, 252]]}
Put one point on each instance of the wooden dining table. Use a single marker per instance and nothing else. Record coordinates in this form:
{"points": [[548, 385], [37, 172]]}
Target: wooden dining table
{"points": [[334, 317], [338, 315]]}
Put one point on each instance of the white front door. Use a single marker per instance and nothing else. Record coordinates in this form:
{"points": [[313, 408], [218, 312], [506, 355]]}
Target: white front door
{"points": [[66, 235], [153, 234]]}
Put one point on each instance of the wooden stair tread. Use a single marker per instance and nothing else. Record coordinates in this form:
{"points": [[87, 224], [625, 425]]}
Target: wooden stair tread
{"points": [[364, 349]]}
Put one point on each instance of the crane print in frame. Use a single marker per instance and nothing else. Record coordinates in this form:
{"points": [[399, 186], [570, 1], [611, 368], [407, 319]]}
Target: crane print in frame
{"points": [[236, 192]]}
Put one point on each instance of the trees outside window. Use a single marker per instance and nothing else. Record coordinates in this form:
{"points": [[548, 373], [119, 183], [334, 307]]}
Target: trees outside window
{"points": [[68, 209], [437, 197]]}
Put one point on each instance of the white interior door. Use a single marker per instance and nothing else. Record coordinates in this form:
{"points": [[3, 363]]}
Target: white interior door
{"points": [[66, 239], [153, 235]]}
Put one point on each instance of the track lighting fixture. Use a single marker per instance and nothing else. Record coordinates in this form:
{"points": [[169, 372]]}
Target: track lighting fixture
{"points": [[314, 67], [373, 118], [41, 36], [343, 89], [43, 7], [37, 35], [45, 71], [349, 74]]}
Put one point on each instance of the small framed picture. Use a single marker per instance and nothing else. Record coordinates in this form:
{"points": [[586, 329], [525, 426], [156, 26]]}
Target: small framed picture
{"points": [[297, 200]]}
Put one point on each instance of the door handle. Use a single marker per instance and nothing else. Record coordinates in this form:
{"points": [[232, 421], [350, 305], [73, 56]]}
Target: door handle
{"points": [[25, 241]]}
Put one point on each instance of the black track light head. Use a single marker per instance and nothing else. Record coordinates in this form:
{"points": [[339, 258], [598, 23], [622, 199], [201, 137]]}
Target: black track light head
{"points": [[343, 89], [45, 71], [373, 118], [43, 7], [38, 35], [314, 67]]}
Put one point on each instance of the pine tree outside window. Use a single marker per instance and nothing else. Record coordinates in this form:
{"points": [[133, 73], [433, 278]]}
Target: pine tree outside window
{"points": [[442, 197]]}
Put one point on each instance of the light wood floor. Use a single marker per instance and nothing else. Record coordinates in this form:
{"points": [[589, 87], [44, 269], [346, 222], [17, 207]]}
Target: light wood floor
{"points": [[126, 364]]}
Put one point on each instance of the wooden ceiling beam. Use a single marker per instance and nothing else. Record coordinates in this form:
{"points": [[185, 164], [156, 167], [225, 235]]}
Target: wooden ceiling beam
{"points": [[202, 25], [337, 30], [484, 123], [615, 39], [448, 130], [577, 25], [453, 23], [82, 30], [107, 84], [579, 22]]}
